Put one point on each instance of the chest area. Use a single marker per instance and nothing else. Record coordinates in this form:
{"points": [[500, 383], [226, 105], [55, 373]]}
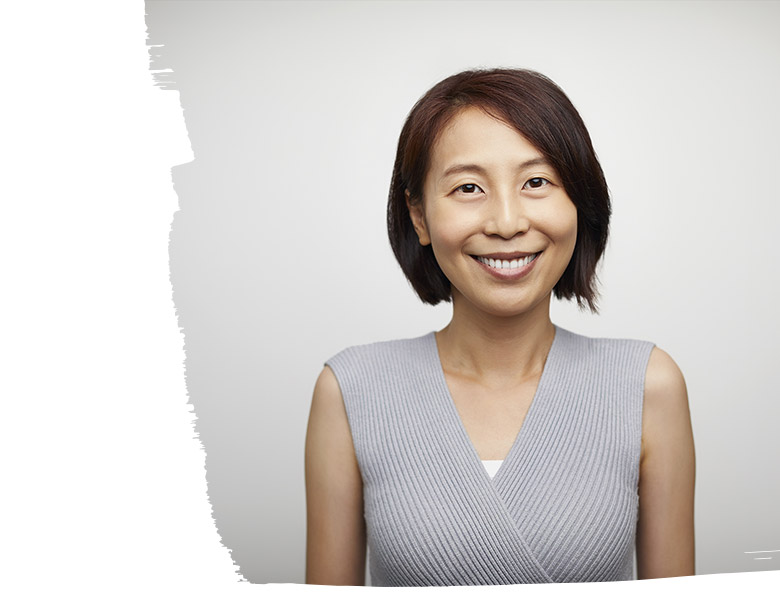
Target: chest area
{"points": [[492, 417]]}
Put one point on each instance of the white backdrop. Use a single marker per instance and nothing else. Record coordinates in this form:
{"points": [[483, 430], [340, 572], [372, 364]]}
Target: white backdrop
{"points": [[293, 111]]}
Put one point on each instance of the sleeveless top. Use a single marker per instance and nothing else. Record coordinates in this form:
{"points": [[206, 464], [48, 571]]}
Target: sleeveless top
{"points": [[562, 507]]}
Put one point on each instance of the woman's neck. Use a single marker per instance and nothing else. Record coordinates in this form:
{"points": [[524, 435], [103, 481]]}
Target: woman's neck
{"points": [[496, 351]]}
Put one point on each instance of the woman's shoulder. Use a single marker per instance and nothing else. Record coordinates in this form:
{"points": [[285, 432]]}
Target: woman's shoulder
{"points": [[598, 340], [382, 350], [603, 349], [664, 381], [356, 373]]}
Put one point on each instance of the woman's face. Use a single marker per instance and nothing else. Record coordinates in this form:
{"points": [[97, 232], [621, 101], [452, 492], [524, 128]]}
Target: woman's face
{"points": [[494, 210]]}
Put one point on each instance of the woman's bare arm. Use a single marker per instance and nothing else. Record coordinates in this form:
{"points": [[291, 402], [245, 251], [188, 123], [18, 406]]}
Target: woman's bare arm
{"points": [[335, 531], [665, 538]]}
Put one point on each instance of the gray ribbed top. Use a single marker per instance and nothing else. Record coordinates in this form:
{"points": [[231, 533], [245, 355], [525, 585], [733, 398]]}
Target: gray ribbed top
{"points": [[563, 505]]}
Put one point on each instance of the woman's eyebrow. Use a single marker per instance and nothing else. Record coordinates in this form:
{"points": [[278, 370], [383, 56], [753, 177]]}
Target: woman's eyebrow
{"points": [[473, 168], [539, 161], [462, 168]]}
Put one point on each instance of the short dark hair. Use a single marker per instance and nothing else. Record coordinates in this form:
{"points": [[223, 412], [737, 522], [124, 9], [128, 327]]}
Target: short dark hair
{"points": [[540, 111]]}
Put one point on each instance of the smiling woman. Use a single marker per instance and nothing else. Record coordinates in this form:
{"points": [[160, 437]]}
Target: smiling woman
{"points": [[491, 195], [502, 449]]}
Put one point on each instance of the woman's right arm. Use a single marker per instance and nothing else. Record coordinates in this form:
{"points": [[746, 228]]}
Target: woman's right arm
{"points": [[335, 529]]}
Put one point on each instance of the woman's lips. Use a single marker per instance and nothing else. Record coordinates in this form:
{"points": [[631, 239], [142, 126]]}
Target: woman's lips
{"points": [[508, 268]]}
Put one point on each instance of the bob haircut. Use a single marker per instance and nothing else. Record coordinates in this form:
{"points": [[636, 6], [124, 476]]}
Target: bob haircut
{"points": [[539, 110]]}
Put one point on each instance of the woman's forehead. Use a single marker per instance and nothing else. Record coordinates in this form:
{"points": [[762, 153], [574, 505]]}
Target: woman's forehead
{"points": [[475, 140]]}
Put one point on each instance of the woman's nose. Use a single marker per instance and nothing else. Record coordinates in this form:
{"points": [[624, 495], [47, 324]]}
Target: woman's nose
{"points": [[506, 215]]}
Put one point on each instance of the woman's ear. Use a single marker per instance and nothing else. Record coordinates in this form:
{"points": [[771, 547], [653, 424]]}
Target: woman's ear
{"points": [[418, 219]]}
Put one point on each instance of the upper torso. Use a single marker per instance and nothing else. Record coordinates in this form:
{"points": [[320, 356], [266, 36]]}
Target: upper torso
{"points": [[562, 506]]}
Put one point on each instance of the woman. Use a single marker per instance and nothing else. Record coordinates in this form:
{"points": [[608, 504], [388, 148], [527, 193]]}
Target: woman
{"points": [[501, 449]]}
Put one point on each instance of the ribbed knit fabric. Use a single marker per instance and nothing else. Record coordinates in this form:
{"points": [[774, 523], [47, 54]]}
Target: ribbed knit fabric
{"points": [[563, 505]]}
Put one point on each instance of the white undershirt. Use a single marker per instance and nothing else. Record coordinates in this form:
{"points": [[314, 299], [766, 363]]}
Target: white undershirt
{"points": [[492, 466]]}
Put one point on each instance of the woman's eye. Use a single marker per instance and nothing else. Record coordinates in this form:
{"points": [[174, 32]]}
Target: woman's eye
{"points": [[468, 188], [535, 183]]}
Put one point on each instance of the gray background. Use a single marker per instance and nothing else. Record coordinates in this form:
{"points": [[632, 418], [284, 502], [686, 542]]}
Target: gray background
{"points": [[279, 256]]}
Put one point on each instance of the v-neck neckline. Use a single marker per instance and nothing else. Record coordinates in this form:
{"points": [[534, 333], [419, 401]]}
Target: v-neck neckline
{"points": [[528, 421]]}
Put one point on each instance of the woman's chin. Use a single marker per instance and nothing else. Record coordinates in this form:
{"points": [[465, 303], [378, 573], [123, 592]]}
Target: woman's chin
{"points": [[510, 308]]}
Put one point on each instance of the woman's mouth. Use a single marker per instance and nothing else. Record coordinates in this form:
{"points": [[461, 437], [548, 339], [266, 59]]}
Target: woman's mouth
{"points": [[507, 264], [508, 269]]}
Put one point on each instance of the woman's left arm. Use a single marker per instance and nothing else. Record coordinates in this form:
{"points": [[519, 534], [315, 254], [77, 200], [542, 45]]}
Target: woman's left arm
{"points": [[664, 538]]}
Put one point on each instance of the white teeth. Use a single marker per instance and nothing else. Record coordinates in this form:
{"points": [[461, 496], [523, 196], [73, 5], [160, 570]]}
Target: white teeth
{"points": [[507, 264]]}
